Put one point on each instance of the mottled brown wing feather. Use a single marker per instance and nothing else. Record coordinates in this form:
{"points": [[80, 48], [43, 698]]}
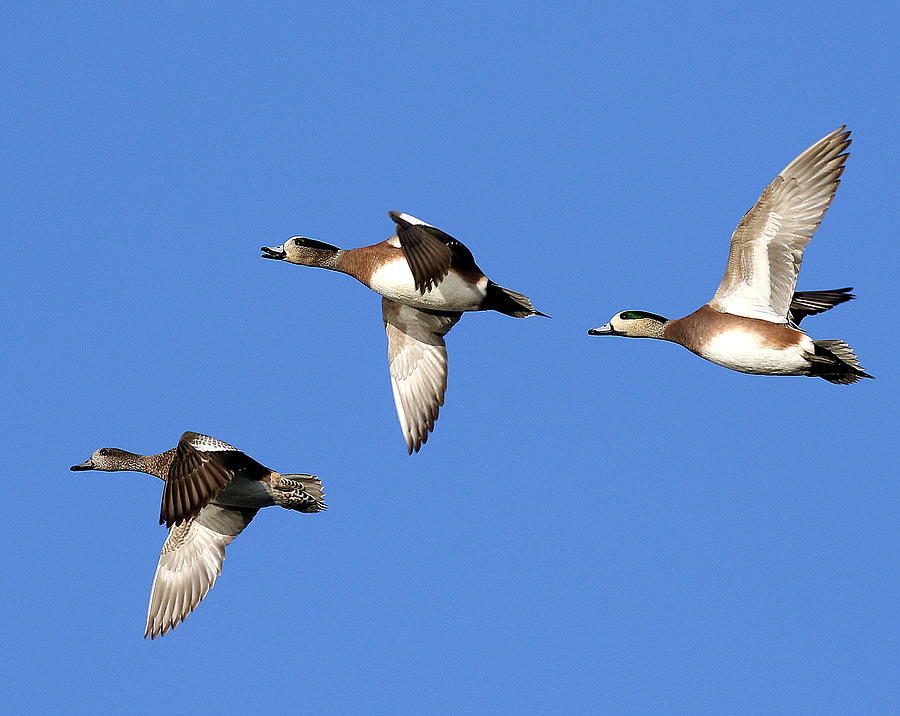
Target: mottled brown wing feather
{"points": [[194, 479]]}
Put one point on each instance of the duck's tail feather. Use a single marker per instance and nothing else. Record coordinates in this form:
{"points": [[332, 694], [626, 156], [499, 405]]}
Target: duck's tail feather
{"points": [[310, 493], [509, 302], [836, 362]]}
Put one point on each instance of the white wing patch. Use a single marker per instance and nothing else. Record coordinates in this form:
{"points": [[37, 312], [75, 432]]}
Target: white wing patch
{"points": [[413, 220]]}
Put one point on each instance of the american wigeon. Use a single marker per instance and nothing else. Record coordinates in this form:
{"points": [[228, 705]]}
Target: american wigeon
{"points": [[212, 491], [751, 325], [427, 279]]}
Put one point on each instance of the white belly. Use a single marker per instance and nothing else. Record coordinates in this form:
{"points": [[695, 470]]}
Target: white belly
{"points": [[395, 281], [748, 353]]}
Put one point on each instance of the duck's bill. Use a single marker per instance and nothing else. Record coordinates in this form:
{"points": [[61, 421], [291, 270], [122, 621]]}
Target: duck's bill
{"points": [[604, 330], [86, 465], [272, 252]]}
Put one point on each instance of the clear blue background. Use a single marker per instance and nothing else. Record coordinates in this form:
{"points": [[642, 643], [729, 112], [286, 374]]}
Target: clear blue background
{"points": [[596, 525]]}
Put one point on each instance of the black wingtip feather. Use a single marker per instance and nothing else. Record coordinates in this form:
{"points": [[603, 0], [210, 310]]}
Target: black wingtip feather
{"points": [[810, 303]]}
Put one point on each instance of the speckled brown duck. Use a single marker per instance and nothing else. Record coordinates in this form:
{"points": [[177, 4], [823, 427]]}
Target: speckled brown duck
{"points": [[212, 491]]}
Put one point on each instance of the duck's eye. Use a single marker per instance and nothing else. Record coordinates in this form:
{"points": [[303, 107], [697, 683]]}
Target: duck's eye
{"points": [[298, 242], [103, 451]]}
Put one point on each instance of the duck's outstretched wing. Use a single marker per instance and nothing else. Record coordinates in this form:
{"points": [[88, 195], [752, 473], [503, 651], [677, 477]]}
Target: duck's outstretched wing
{"points": [[809, 303], [189, 564], [417, 357], [767, 246]]}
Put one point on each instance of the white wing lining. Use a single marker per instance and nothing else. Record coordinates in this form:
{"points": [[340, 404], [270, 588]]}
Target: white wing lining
{"points": [[767, 245], [417, 357], [189, 564]]}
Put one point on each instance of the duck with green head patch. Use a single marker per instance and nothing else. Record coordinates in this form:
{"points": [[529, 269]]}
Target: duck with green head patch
{"points": [[752, 323], [427, 280]]}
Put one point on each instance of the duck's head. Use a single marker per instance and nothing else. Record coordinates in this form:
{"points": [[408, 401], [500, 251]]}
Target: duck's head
{"points": [[108, 459], [303, 251], [632, 324]]}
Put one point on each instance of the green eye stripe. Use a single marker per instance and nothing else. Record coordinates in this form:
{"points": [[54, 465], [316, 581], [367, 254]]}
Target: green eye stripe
{"points": [[638, 315]]}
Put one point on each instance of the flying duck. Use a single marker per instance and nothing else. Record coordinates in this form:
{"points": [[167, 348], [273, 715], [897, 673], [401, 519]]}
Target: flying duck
{"points": [[752, 323], [212, 491], [427, 280]]}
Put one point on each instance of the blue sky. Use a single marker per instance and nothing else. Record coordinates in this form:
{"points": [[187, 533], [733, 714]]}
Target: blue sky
{"points": [[596, 525]]}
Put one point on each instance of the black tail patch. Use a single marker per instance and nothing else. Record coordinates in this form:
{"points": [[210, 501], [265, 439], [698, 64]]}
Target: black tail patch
{"points": [[509, 302], [836, 362]]}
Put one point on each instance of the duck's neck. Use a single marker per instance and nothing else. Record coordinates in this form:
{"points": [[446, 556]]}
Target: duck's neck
{"points": [[327, 259], [156, 465], [649, 328], [657, 329], [333, 260]]}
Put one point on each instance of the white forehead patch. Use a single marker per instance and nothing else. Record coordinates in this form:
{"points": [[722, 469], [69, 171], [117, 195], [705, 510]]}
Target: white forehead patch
{"points": [[413, 220]]}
